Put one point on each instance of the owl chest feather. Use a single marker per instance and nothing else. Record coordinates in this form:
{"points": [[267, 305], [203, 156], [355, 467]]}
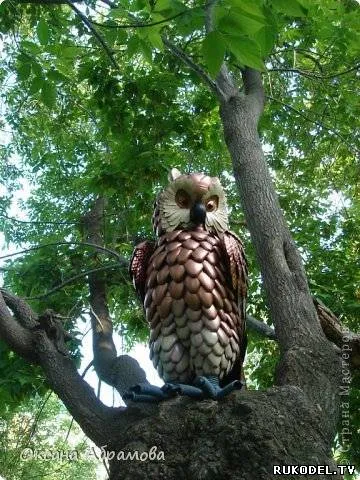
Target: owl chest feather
{"points": [[192, 312]]}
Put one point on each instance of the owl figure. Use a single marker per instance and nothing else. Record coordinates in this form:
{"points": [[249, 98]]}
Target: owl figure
{"points": [[193, 284]]}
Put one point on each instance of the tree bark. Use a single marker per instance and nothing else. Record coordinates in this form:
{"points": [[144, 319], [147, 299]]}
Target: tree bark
{"points": [[239, 438], [102, 330]]}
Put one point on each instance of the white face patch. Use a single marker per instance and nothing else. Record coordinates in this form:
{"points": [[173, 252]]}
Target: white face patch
{"points": [[199, 188]]}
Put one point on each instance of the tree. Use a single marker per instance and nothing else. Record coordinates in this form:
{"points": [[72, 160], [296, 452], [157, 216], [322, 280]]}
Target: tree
{"points": [[108, 76]]}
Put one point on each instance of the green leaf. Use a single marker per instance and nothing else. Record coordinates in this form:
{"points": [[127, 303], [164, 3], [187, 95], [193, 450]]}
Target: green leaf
{"points": [[30, 47], [248, 6], [168, 7], [133, 45], [42, 31], [155, 39], [146, 51], [292, 8], [56, 75], [115, 35], [267, 35], [36, 84], [23, 71], [246, 51], [162, 5], [36, 68], [190, 21], [69, 51], [48, 93], [236, 24], [140, 4], [213, 50], [265, 38]]}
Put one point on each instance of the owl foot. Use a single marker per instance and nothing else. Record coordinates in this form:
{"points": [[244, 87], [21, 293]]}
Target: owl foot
{"points": [[145, 392], [210, 387], [204, 387]]}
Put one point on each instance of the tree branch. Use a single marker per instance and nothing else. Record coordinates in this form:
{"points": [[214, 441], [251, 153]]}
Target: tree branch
{"points": [[60, 371], [337, 333], [96, 34], [315, 75], [138, 24], [18, 338], [187, 60], [316, 122], [260, 327], [79, 398], [71, 280], [121, 259], [254, 90], [209, 15], [36, 222], [333, 329], [109, 4], [307, 359], [102, 329], [127, 373], [22, 311]]}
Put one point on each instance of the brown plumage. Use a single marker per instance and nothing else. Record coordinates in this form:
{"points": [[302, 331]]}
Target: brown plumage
{"points": [[193, 283]]}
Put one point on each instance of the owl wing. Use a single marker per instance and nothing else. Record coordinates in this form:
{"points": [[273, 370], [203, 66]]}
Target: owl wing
{"points": [[138, 266], [237, 268], [235, 259]]}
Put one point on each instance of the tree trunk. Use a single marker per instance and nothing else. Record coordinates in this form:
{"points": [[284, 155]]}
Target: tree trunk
{"points": [[239, 438]]}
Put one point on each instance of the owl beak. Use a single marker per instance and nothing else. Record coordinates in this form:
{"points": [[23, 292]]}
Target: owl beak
{"points": [[198, 214]]}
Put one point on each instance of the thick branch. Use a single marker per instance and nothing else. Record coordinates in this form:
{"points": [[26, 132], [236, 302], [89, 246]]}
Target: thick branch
{"points": [[60, 371], [22, 311], [103, 344], [14, 335], [333, 329], [260, 327], [254, 90], [337, 333], [78, 397], [209, 15]]}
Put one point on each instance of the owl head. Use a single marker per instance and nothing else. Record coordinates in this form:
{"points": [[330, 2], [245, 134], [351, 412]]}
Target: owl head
{"points": [[190, 201]]}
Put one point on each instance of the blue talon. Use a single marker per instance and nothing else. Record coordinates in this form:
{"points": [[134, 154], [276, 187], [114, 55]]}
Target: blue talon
{"points": [[204, 387], [144, 392], [211, 388]]}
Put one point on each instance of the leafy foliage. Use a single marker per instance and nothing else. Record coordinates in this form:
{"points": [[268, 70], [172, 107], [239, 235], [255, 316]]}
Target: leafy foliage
{"points": [[39, 428], [86, 121]]}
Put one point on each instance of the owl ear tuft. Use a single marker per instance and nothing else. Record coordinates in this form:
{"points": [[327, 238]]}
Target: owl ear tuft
{"points": [[174, 174]]}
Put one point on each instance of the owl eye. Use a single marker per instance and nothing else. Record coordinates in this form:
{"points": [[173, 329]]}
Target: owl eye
{"points": [[183, 199], [212, 203]]}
